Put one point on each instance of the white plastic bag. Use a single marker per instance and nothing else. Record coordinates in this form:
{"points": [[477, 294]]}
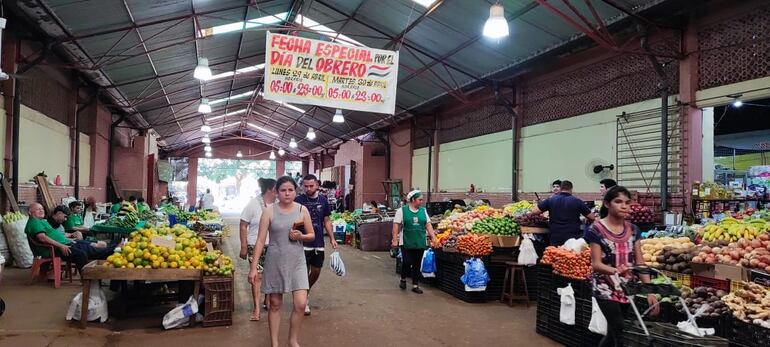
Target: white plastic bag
{"points": [[527, 253], [97, 305], [5, 251], [576, 245], [88, 220], [598, 323], [689, 326], [338, 267], [428, 264], [180, 316], [567, 311], [18, 243]]}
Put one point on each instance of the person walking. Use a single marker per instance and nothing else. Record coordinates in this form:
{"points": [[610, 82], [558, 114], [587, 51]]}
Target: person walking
{"points": [[564, 214], [320, 213], [285, 269], [413, 221], [249, 228], [207, 201], [615, 246]]}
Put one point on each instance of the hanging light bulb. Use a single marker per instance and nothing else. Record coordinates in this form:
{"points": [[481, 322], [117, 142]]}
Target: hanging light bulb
{"points": [[310, 134], [281, 152], [496, 26], [737, 103], [204, 106], [338, 117], [205, 128], [208, 154], [272, 154], [207, 148], [239, 154], [206, 139], [202, 71], [292, 143]]}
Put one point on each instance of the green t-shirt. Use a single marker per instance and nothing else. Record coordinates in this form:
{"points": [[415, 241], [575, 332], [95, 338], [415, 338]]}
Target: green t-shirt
{"points": [[414, 228], [141, 207], [115, 208], [73, 221], [36, 226]]}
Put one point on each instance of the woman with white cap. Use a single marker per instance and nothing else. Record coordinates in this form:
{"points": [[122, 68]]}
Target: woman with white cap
{"points": [[414, 222]]}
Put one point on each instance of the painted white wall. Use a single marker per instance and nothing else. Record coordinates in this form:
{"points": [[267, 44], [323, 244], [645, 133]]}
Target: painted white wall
{"points": [[44, 145], [84, 164], [484, 161], [708, 144], [419, 169]]}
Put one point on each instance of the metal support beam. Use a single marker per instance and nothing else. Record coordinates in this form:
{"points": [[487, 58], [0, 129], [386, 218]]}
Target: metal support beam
{"points": [[664, 90]]}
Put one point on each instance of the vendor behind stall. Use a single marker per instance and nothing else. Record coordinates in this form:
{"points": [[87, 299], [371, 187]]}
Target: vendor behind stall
{"points": [[564, 214]]}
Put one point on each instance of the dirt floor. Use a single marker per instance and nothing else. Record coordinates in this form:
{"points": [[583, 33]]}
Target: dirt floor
{"points": [[364, 308]]}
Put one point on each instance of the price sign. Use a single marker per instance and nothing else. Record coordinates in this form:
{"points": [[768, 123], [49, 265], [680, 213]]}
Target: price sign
{"points": [[306, 71]]}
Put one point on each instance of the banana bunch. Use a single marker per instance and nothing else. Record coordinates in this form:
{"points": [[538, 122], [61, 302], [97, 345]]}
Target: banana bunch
{"points": [[12, 217], [731, 230]]}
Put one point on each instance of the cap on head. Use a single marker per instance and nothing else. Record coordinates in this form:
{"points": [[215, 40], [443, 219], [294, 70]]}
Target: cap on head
{"points": [[415, 194]]}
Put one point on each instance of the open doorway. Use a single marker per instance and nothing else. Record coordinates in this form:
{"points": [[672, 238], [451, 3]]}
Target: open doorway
{"points": [[741, 142], [232, 182]]}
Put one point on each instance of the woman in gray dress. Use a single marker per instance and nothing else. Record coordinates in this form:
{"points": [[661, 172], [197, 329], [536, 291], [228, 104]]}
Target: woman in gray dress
{"points": [[285, 269]]}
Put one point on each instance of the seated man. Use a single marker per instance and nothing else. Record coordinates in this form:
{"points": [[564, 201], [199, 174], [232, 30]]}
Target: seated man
{"points": [[77, 251], [74, 222], [57, 219], [141, 205]]}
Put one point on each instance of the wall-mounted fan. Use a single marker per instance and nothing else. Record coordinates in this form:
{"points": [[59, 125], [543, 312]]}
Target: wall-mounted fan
{"points": [[598, 169]]}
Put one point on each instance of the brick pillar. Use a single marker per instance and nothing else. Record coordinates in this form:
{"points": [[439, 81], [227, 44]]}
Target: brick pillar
{"points": [[280, 168], [192, 181], [692, 116]]}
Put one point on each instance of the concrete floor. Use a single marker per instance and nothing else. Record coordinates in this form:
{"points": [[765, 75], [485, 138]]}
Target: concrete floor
{"points": [[364, 308]]}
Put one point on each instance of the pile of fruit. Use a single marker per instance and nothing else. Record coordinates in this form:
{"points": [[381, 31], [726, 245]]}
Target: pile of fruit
{"points": [[12, 217], [701, 296], [641, 214], [450, 242], [504, 226], [346, 216], [202, 215], [128, 220], [750, 304], [532, 220], [731, 229], [189, 252], [676, 231], [568, 263], [442, 238], [753, 254], [668, 253], [518, 208], [465, 220], [474, 245]]}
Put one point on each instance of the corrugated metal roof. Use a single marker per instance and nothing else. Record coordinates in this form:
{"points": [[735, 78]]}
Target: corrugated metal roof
{"points": [[445, 47]]}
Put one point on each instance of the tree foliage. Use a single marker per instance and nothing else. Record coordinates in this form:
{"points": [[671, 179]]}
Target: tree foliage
{"points": [[218, 170]]}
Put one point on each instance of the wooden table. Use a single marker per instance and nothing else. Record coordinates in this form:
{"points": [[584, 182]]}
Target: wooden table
{"points": [[96, 270], [534, 230]]}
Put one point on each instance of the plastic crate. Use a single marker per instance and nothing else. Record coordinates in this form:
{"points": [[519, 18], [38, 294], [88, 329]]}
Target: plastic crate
{"points": [[747, 334], [700, 281], [667, 335], [448, 275], [685, 279], [218, 301], [583, 288], [737, 285]]}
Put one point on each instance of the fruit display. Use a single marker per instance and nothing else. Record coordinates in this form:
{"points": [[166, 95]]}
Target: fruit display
{"points": [[676, 231], [750, 304], [127, 208], [532, 220], [129, 221], [731, 229], [465, 220], [442, 238], [701, 296], [12, 217], [202, 215], [346, 216], [667, 253], [518, 208], [568, 263], [753, 254], [474, 245], [189, 252], [504, 226], [450, 242], [641, 214]]}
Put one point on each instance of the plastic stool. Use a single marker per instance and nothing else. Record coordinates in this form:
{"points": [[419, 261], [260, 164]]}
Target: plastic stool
{"points": [[509, 283]]}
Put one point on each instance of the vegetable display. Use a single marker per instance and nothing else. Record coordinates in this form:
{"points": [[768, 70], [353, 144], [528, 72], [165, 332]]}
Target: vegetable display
{"points": [[641, 214], [568, 263], [701, 296], [11, 217], [128, 220], [504, 226], [465, 220], [753, 254], [750, 304], [731, 229], [518, 208], [530, 220], [666, 253], [474, 245]]}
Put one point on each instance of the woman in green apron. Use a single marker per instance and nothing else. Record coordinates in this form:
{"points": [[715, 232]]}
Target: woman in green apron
{"points": [[413, 222]]}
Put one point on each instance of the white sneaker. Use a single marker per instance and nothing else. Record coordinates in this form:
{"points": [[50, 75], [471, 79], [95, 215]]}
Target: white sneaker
{"points": [[307, 309]]}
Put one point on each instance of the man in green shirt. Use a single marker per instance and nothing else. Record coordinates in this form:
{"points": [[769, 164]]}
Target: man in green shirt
{"points": [[77, 251], [74, 222], [116, 206], [141, 206]]}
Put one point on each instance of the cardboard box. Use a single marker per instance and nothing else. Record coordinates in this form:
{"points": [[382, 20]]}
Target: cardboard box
{"points": [[505, 241], [721, 271]]}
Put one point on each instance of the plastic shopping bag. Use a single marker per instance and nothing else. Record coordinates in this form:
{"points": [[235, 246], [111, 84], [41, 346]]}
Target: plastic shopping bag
{"points": [[428, 264], [88, 221], [598, 323], [527, 253], [336, 264], [567, 310], [97, 305], [180, 316], [691, 327], [475, 277]]}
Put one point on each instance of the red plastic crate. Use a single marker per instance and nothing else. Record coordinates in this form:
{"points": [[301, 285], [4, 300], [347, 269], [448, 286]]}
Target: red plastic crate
{"points": [[700, 281]]}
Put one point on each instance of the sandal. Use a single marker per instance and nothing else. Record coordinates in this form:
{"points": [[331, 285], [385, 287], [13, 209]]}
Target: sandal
{"points": [[402, 285], [417, 290], [254, 317]]}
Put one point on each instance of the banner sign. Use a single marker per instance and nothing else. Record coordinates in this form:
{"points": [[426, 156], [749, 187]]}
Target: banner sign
{"points": [[306, 71]]}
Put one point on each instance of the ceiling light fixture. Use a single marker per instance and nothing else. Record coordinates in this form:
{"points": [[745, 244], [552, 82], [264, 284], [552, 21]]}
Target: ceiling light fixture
{"points": [[737, 103], [208, 154], [292, 143], [204, 106], [202, 70], [281, 152], [205, 128], [239, 154], [272, 154], [206, 139], [496, 26], [338, 117], [310, 134], [207, 148]]}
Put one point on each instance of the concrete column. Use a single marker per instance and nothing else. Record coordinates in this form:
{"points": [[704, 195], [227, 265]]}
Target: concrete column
{"points": [[280, 168], [692, 155], [192, 181]]}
